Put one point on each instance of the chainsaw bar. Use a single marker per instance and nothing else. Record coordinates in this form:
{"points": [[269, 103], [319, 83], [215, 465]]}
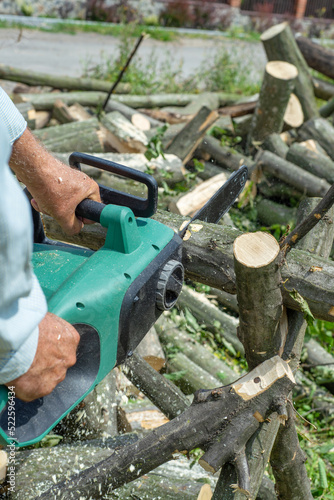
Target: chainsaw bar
{"points": [[221, 201]]}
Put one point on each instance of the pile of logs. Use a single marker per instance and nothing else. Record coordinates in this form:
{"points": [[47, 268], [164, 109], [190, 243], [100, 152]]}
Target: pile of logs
{"points": [[287, 144]]}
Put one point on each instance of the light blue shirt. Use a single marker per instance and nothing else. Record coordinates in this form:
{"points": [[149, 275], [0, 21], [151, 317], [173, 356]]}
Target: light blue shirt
{"points": [[22, 302]]}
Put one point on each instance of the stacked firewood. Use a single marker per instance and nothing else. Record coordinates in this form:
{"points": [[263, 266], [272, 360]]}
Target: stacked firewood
{"points": [[286, 141]]}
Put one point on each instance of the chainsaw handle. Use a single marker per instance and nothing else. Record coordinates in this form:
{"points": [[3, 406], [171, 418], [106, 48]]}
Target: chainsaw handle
{"points": [[90, 209], [141, 207]]}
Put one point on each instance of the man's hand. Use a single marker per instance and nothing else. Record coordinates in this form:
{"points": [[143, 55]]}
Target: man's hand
{"points": [[56, 352], [56, 188]]}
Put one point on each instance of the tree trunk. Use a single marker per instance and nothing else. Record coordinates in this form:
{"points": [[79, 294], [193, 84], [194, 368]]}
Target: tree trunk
{"points": [[275, 144], [321, 131], [57, 81], [278, 83], [231, 160], [317, 57], [200, 355], [280, 45], [122, 135], [271, 213], [185, 142], [292, 174], [312, 161], [323, 90]]}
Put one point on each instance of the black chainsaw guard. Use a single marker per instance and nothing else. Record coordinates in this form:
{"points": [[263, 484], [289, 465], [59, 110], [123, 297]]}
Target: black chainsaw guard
{"points": [[139, 311]]}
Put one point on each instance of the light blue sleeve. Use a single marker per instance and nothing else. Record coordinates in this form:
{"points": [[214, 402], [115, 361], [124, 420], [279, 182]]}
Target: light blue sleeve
{"points": [[22, 302], [11, 117]]}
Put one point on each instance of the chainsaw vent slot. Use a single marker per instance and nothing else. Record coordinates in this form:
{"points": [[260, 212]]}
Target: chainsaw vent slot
{"points": [[80, 305], [127, 276], [156, 248]]}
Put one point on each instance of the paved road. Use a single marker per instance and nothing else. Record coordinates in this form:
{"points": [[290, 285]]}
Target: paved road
{"points": [[65, 54]]}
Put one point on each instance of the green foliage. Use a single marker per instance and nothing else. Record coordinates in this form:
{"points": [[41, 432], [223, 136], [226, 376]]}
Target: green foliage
{"points": [[154, 147], [175, 376]]}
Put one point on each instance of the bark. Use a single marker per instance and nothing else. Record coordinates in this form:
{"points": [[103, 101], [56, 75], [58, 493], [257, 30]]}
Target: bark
{"points": [[67, 114], [208, 99], [226, 157], [256, 259], [271, 213], [76, 136], [154, 385], [304, 227], [28, 111], [160, 116], [132, 114], [323, 90], [210, 415], [185, 142], [321, 131], [275, 144], [241, 109], [208, 258], [277, 85], [56, 81], [280, 45], [292, 174], [327, 109], [122, 135], [46, 101], [200, 355], [208, 314], [317, 57], [312, 161], [190, 376]]}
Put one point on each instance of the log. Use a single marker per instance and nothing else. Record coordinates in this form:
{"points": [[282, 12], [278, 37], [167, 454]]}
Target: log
{"points": [[327, 109], [190, 377], [239, 109], [28, 112], [169, 334], [94, 98], [147, 120], [56, 81], [153, 385], [67, 114], [260, 301], [277, 85], [280, 45], [151, 351], [75, 136], [195, 199], [226, 157], [293, 116], [159, 116], [317, 57], [292, 174], [321, 131], [208, 99], [271, 213], [312, 161], [275, 144], [207, 313], [208, 258], [122, 135], [211, 414], [322, 89], [185, 143]]}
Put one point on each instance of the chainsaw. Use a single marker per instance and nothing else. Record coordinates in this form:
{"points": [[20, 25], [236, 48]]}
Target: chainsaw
{"points": [[112, 296]]}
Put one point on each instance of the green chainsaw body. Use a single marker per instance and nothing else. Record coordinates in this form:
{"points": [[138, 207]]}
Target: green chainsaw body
{"points": [[112, 296]]}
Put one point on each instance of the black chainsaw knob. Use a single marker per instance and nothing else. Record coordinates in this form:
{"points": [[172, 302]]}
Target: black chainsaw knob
{"points": [[169, 285]]}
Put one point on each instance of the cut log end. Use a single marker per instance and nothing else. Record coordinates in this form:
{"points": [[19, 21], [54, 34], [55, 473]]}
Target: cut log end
{"points": [[273, 31], [282, 70], [293, 116], [256, 249]]}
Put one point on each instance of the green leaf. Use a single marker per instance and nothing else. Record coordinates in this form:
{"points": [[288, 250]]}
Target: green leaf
{"points": [[175, 375]]}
